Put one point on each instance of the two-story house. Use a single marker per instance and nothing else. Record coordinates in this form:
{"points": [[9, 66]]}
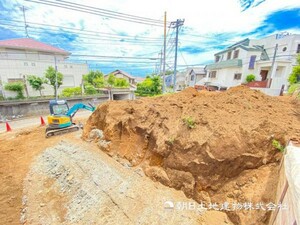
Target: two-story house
{"points": [[190, 77], [25, 56], [270, 59], [122, 74]]}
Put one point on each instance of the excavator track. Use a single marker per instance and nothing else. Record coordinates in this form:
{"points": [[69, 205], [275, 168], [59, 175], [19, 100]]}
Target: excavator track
{"points": [[60, 131]]}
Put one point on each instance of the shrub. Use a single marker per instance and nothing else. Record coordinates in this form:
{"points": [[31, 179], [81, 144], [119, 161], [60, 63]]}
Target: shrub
{"points": [[151, 86], [295, 75], [90, 90], [190, 122], [276, 144], [250, 78], [69, 92], [293, 88], [16, 87], [121, 82]]}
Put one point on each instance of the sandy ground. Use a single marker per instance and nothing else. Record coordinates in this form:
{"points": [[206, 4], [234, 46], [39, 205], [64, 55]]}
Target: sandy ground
{"points": [[17, 150], [34, 121], [64, 180]]}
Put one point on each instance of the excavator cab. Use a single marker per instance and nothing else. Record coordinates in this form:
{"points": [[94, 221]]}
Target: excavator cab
{"points": [[58, 117], [58, 107]]}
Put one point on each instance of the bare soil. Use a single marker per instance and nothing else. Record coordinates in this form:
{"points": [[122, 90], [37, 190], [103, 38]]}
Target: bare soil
{"points": [[214, 146], [64, 180]]}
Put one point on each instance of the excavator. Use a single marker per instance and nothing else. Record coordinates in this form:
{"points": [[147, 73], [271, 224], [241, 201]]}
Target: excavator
{"points": [[60, 118]]}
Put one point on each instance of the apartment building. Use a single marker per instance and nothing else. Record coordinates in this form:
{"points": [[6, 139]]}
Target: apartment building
{"points": [[25, 56]]}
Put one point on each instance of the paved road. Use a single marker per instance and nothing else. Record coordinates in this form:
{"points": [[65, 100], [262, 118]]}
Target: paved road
{"points": [[35, 121]]}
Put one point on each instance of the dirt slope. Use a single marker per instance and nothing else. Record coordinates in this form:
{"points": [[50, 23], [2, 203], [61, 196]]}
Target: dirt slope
{"points": [[215, 147]]}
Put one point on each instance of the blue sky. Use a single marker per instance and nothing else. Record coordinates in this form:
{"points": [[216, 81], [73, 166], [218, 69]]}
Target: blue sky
{"points": [[208, 28]]}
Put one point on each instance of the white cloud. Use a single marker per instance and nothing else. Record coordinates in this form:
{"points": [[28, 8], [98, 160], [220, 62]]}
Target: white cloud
{"points": [[202, 17]]}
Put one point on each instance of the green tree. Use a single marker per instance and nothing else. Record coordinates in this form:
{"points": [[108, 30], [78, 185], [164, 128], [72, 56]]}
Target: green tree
{"points": [[37, 83], [50, 74], [90, 90], [250, 78], [111, 80], [95, 78], [151, 86], [295, 75], [16, 87], [121, 82]]}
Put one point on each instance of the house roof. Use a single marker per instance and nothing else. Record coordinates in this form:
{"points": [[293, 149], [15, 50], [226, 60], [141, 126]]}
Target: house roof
{"points": [[29, 43], [225, 64], [121, 72], [244, 44], [199, 70]]}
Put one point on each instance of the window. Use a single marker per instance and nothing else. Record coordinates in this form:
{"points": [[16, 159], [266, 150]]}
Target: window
{"points": [[237, 76], [192, 77], [71, 66], [32, 64], [213, 74], [25, 63], [252, 62], [228, 55], [298, 48], [284, 49], [60, 109], [217, 59], [236, 54]]}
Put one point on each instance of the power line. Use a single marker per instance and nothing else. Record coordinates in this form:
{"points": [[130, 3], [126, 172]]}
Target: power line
{"points": [[84, 55], [86, 36], [118, 13], [100, 12], [85, 31]]}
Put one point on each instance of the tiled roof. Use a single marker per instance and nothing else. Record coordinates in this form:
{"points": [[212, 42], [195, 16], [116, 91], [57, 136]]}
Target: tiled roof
{"points": [[29, 43]]}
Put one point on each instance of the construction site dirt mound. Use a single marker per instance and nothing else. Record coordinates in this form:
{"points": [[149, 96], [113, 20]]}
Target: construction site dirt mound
{"points": [[214, 146]]}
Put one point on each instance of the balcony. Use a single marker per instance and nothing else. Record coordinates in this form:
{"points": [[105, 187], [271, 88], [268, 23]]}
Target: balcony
{"points": [[225, 64]]}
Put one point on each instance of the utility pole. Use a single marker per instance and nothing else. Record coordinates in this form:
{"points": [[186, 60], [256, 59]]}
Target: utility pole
{"points": [[25, 23], [164, 59], [176, 25], [272, 67], [56, 84], [160, 63]]}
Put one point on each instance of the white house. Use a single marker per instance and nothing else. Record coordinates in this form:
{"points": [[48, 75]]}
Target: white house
{"points": [[233, 64], [25, 56], [189, 77]]}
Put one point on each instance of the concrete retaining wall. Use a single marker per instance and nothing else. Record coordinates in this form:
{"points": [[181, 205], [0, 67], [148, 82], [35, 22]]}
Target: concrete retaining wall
{"points": [[40, 107], [9, 109]]}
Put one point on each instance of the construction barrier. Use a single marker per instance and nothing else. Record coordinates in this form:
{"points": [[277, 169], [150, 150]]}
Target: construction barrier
{"points": [[288, 189]]}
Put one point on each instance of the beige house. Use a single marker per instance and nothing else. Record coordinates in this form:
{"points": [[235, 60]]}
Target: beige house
{"points": [[122, 74], [25, 56]]}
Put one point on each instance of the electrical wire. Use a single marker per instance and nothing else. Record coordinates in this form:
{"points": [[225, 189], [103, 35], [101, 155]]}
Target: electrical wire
{"points": [[99, 12]]}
